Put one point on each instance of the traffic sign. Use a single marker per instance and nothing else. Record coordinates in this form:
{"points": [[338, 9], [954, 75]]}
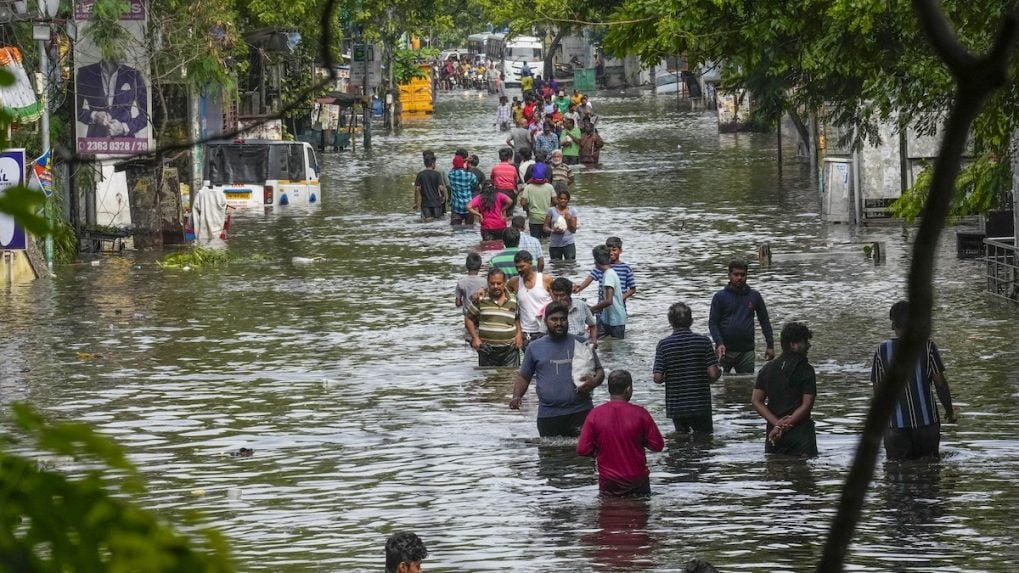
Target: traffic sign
{"points": [[363, 59]]}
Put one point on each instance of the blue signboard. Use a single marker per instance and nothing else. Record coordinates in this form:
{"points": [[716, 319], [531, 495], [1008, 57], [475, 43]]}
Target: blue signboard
{"points": [[12, 174]]}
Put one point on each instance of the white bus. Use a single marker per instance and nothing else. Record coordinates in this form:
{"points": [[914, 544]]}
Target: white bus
{"points": [[477, 45], [518, 50], [494, 45]]}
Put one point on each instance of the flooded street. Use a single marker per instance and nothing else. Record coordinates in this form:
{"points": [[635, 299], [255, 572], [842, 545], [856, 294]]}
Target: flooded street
{"points": [[367, 413]]}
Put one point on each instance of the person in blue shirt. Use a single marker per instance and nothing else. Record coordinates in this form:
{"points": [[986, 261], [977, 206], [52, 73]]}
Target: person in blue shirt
{"points": [[731, 322]]}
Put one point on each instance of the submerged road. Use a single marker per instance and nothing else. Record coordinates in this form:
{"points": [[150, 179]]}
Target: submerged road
{"points": [[366, 412]]}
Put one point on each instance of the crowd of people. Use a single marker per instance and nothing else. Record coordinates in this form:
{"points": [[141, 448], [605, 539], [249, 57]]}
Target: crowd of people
{"points": [[517, 315]]}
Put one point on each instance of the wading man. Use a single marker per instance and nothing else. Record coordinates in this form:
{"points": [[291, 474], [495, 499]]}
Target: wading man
{"points": [[493, 324], [731, 322], [563, 403], [616, 433], [915, 430], [532, 291], [686, 363], [784, 395], [404, 553]]}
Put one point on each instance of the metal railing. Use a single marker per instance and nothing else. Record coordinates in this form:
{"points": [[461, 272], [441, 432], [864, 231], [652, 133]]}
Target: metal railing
{"points": [[1002, 260]]}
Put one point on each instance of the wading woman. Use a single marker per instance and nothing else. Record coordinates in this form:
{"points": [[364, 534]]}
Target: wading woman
{"points": [[490, 207], [560, 225]]}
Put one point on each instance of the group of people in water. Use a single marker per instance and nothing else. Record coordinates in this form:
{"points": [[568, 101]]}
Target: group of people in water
{"points": [[517, 315]]}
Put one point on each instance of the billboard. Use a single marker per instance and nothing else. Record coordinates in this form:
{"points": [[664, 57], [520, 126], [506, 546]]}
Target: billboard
{"points": [[113, 107], [12, 174]]}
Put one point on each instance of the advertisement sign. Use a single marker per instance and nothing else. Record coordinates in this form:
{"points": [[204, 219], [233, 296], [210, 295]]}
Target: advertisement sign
{"points": [[114, 103], [12, 174]]}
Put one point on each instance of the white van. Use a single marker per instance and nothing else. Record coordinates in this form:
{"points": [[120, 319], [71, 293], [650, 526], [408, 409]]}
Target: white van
{"points": [[263, 173]]}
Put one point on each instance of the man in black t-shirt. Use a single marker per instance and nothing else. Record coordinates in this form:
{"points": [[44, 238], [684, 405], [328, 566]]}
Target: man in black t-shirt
{"points": [[429, 190], [784, 395]]}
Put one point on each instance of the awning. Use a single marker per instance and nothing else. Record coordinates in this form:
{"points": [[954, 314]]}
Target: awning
{"points": [[338, 98], [19, 98]]}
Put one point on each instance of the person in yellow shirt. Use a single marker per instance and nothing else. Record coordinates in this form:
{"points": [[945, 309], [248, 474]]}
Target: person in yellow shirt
{"points": [[575, 99]]}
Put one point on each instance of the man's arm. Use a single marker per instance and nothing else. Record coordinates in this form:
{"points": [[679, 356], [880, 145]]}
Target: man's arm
{"points": [[714, 372], [715, 323], [652, 435], [519, 389], [417, 197], [586, 445], [473, 331], [945, 395], [757, 400], [762, 317], [629, 292], [513, 284], [541, 263], [606, 301], [583, 285]]}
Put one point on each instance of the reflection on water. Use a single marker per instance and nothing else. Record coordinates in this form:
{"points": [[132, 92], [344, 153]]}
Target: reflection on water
{"points": [[366, 413]]}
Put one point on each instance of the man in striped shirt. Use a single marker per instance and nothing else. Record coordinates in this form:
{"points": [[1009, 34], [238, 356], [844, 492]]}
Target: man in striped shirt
{"points": [[915, 429], [686, 363], [494, 324]]}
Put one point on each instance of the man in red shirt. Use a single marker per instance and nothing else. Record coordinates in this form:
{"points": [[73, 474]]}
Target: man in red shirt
{"points": [[504, 174], [617, 433]]}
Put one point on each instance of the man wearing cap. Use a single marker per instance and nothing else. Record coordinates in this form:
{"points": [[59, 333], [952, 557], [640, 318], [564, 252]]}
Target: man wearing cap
{"points": [[461, 183], [562, 102], [537, 198]]}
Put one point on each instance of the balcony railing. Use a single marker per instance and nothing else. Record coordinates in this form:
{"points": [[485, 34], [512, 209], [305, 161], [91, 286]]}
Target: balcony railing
{"points": [[1002, 260]]}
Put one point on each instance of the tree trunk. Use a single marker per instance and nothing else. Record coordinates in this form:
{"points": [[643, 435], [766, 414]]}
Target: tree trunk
{"points": [[556, 40], [801, 128]]}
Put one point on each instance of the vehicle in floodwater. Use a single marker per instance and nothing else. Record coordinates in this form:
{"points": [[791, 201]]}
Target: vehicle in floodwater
{"points": [[263, 173], [516, 52]]}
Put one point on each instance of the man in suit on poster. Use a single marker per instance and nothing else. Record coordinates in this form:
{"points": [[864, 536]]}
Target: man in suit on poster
{"points": [[112, 99]]}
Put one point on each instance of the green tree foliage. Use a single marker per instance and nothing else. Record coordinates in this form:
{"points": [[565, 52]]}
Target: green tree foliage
{"points": [[50, 522], [858, 62]]}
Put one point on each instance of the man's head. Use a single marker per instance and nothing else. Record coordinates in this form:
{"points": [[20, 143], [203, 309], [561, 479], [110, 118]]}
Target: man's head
{"points": [[569, 123], [621, 384], [522, 123], [615, 245], [404, 553], [473, 261], [429, 158], [462, 153], [738, 273], [505, 154], [524, 262], [557, 319], [601, 255], [557, 156], [510, 238], [561, 290], [796, 337], [496, 282], [525, 153], [473, 160], [540, 155], [546, 128], [899, 315], [519, 223], [680, 315]]}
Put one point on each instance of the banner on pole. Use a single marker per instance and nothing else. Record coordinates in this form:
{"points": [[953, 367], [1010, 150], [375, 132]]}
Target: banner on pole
{"points": [[12, 174]]}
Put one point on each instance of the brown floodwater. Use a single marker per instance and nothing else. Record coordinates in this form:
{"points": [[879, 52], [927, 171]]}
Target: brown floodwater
{"points": [[367, 414]]}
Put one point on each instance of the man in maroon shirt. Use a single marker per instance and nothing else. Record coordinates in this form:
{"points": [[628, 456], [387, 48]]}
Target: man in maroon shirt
{"points": [[617, 433]]}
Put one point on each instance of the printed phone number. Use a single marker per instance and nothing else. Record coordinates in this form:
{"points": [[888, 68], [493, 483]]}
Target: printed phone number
{"points": [[113, 146]]}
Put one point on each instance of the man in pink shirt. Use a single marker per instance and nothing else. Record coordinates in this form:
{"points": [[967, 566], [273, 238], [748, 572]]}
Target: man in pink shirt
{"points": [[617, 433]]}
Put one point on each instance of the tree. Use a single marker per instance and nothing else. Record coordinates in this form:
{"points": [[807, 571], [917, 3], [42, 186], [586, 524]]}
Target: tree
{"points": [[857, 62]]}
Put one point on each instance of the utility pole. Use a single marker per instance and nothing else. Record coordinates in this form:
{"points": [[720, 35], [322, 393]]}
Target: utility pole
{"points": [[41, 33]]}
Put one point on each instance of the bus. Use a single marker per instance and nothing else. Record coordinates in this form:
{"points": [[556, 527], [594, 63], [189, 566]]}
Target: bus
{"points": [[518, 50], [494, 45], [477, 45]]}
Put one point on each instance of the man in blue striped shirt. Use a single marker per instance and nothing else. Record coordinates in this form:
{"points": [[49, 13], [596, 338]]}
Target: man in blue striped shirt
{"points": [[915, 429]]}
